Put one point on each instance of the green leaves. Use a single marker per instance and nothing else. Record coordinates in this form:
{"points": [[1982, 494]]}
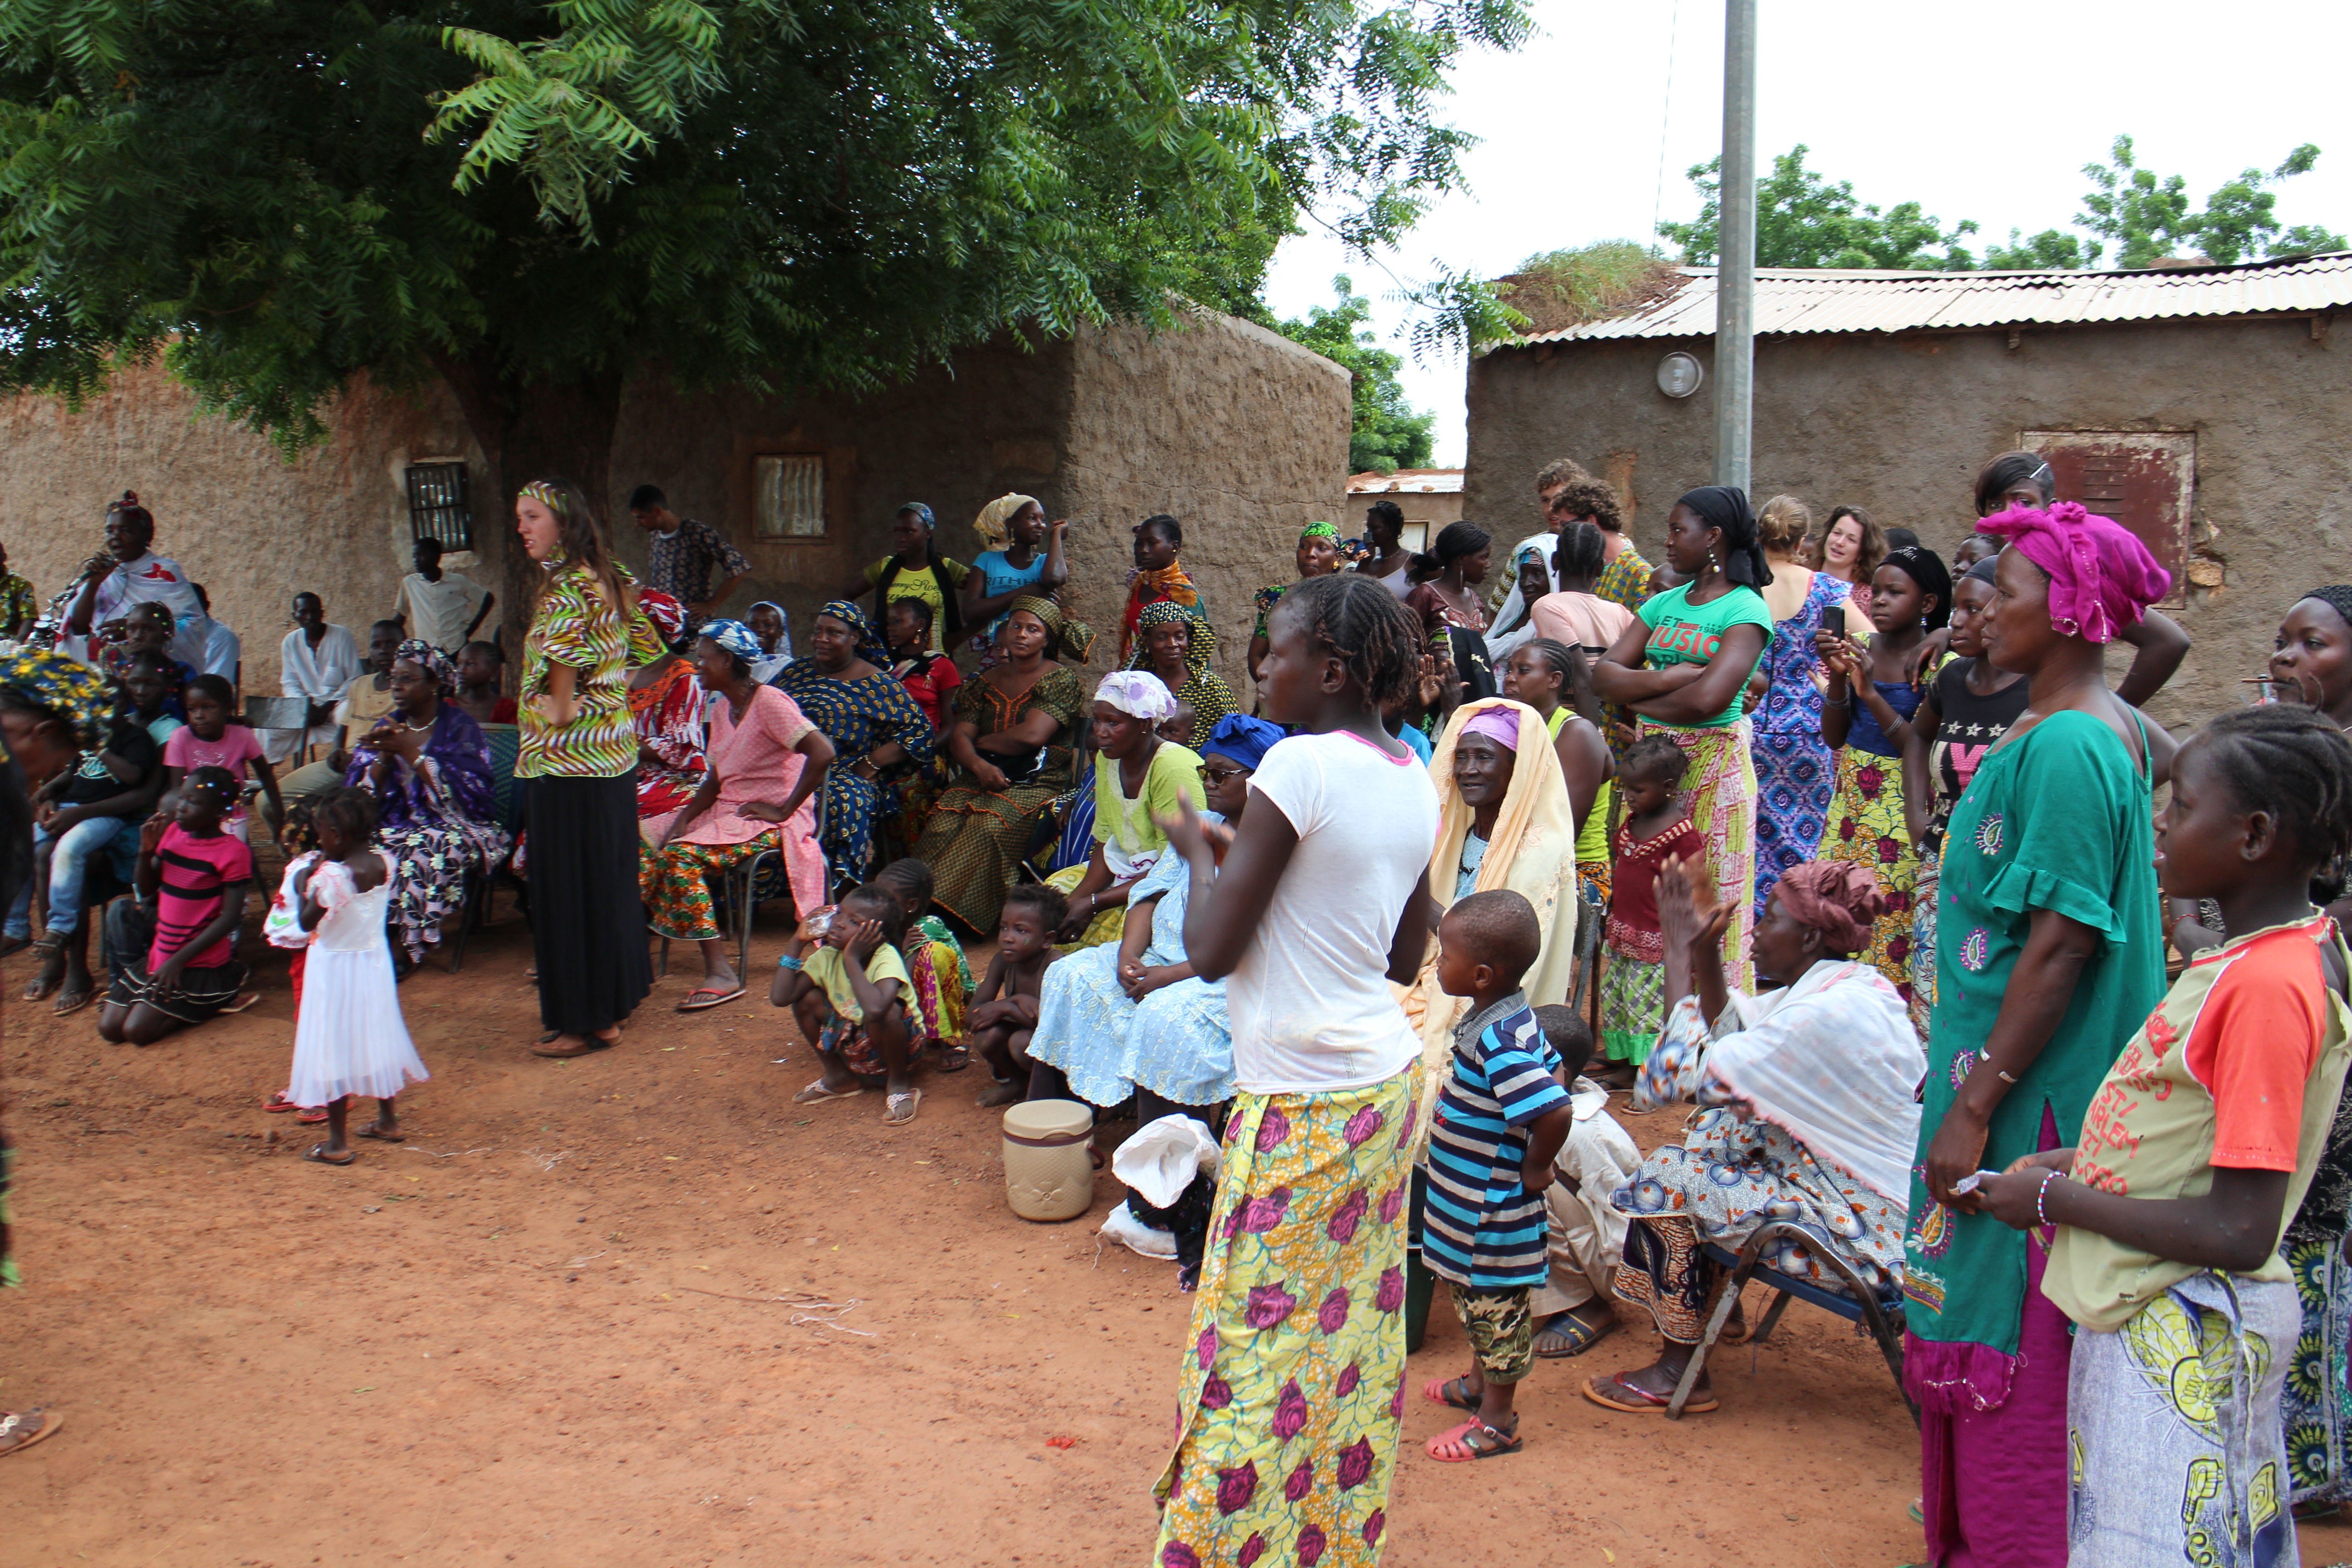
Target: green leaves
{"points": [[1386, 433], [282, 195], [1805, 220]]}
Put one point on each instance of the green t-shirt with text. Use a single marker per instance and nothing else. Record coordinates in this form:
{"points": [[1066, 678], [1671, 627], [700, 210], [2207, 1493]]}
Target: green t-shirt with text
{"points": [[1685, 633]]}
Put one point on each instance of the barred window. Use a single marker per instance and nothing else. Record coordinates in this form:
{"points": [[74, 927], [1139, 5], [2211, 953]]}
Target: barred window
{"points": [[439, 505], [788, 496]]}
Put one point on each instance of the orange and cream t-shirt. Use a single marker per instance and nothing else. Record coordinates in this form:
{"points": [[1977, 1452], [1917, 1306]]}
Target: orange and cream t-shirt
{"points": [[2238, 1067]]}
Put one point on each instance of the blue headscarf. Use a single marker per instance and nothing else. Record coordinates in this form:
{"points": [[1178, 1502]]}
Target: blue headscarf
{"points": [[919, 509], [736, 638], [1242, 739]]}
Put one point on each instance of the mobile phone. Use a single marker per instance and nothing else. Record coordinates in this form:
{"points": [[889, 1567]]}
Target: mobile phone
{"points": [[1833, 619]]}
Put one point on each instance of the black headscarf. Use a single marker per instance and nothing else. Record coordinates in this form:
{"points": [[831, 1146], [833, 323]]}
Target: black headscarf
{"points": [[1926, 568], [1724, 508]]}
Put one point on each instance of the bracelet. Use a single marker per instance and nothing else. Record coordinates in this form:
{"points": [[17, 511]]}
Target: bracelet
{"points": [[1985, 1056], [1828, 701], [2042, 1199], [788, 961]]}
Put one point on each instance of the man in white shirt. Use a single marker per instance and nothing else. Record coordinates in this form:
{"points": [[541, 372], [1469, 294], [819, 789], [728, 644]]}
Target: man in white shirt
{"points": [[316, 661], [438, 606], [131, 573], [224, 652]]}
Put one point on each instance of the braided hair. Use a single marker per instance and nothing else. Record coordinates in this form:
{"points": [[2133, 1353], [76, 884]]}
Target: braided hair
{"points": [[350, 812], [1365, 626], [1575, 675], [2336, 597], [2294, 763], [1582, 552]]}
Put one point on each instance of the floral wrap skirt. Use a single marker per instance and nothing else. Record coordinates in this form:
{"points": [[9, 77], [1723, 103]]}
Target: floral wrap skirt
{"points": [[1292, 1387], [1866, 825]]}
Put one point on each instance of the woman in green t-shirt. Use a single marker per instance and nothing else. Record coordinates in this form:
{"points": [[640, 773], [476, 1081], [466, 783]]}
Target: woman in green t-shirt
{"points": [[1683, 664]]}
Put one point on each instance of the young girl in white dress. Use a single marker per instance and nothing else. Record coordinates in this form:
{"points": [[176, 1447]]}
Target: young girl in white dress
{"points": [[349, 1038]]}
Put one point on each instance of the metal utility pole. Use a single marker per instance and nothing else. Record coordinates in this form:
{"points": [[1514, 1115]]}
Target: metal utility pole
{"points": [[1735, 286]]}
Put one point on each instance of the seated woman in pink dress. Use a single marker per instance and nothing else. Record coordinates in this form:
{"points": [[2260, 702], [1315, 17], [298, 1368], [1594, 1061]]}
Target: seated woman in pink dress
{"points": [[766, 763]]}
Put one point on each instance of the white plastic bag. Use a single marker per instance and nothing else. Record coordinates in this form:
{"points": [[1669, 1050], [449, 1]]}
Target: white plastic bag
{"points": [[1132, 1233], [1162, 1158]]}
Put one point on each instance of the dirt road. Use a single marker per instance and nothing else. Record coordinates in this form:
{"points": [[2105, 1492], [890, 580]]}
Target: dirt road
{"points": [[639, 1308]]}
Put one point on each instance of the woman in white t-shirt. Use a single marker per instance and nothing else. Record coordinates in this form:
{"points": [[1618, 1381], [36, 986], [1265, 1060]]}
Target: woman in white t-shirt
{"points": [[1295, 1361]]}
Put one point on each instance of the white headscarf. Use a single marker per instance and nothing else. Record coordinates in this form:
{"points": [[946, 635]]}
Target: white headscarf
{"points": [[1137, 693]]}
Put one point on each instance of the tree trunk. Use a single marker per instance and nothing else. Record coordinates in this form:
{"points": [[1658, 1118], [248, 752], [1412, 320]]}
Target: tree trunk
{"points": [[540, 429]]}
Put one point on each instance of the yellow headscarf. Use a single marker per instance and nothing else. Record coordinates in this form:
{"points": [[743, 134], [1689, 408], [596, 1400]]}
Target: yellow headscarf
{"points": [[995, 523], [1532, 852]]}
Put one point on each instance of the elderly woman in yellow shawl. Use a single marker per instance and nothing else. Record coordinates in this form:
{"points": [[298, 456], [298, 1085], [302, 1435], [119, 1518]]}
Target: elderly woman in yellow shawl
{"points": [[1503, 822]]}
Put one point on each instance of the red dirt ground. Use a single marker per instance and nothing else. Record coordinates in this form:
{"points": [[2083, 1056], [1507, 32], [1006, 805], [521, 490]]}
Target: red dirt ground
{"points": [[545, 1330]]}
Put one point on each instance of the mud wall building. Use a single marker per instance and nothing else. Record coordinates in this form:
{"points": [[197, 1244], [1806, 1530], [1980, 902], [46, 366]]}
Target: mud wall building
{"points": [[2208, 408], [1238, 432]]}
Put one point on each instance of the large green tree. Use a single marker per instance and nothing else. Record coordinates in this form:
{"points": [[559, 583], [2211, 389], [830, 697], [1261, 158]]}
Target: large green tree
{"points": [[1387, 431], [537, 201], [1803, 220]]}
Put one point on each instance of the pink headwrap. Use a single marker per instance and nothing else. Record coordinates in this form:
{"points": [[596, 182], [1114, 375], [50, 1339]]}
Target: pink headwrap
{"points": [[1500, 725], [1840, 899], [2102, 578]]}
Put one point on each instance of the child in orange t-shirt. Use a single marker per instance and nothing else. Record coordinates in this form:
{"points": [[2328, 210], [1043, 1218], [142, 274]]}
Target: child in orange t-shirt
{"points": [[2194, 1152]]}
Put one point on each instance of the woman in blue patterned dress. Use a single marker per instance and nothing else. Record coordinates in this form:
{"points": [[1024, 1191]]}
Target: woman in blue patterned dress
{"points": [[845, 688], [1795, 772]]}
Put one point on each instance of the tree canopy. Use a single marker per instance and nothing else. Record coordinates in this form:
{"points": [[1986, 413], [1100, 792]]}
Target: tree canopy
{"points": [[1804, 220], [1387, 433], [536, 201]]}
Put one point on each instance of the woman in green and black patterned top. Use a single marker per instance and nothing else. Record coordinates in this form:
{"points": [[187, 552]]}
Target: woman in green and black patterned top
{"points": [[578, 762]]}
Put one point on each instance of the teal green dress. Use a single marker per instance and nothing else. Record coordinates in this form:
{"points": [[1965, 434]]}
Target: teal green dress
{"points": [[2059, 818]]}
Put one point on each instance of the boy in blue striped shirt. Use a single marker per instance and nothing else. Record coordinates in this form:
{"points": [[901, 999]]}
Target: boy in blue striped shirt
{"points": [[1501, 1118]]}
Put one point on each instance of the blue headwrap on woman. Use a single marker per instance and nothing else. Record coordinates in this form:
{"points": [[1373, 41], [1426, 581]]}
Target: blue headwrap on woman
{"points": [[1242, 739], [736, 638]]}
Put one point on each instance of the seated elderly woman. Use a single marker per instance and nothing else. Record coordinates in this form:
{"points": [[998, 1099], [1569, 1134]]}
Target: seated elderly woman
{"points": [[1010, 741], [666, 703], [428, 767], [1503, 822], [1140, 779], [1132, 1018], [766, 761], [1806, 1110], [845, 688]]}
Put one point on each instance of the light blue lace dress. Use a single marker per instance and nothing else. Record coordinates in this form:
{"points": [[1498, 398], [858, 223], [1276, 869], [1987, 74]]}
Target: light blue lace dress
{"points": [[1176, 1042]]}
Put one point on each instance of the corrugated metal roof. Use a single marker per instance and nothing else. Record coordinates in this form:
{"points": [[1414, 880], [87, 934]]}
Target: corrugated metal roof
{"points": [[1407, 481], [1795, 300]]}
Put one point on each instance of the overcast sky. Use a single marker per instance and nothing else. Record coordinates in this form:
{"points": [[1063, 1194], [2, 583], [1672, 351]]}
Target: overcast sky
{"points": [[1985, 111]]}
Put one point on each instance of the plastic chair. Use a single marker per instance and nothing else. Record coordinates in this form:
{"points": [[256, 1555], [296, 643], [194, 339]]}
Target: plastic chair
{"points": [[737, 895], [1881, 1316]]}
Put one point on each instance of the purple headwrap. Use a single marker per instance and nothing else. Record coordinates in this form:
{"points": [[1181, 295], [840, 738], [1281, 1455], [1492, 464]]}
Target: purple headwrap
{"points": [[1500, 725], [2102, 578]]}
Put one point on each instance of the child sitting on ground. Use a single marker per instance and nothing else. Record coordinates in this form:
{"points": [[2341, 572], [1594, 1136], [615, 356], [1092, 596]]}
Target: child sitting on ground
{"points": [[211, 741], [1501, 1118], [935, 959], [2195, 1151], [172, 949], [1004, 1009], [1657, 824], [851, 997], [1587, 1234], [349, 1037]]}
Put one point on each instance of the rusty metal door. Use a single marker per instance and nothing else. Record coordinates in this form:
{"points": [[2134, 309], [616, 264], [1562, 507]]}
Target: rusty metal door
{"points": [[2144, 479]]}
